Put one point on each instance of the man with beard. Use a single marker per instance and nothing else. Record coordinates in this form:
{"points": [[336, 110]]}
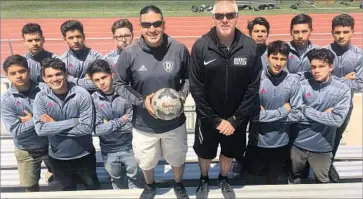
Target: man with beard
{"points": [[154, 62]]}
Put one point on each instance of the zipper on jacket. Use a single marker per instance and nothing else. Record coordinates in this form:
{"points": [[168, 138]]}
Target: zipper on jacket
{"points": [[226, 82], [319, 93]]}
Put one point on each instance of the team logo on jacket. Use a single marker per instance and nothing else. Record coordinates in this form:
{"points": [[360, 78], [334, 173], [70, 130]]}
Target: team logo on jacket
{"points": [[240, 61], [263, 91], [50, 105], [142, 68], [168, 66]]}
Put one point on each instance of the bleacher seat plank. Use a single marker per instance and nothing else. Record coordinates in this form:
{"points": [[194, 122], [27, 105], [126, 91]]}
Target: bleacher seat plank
{"points": [[345, 152], [347, 170], [333, 190]]}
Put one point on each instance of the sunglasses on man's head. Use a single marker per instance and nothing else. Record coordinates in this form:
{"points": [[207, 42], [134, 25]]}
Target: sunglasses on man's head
{"points": [[220, 16], [156, 24]]}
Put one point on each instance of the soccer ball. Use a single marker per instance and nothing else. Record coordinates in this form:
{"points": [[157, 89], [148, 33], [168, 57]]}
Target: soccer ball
{"points": [[167, 104]]}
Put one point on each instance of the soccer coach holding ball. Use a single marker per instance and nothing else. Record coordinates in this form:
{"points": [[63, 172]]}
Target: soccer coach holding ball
{"points": [[154, 62]]}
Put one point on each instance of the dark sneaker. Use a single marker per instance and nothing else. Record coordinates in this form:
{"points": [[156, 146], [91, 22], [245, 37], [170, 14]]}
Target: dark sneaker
{"points": [[333, 174], [180, 191], [237, 169], [202, 189], [149, 191], [226, 187]]}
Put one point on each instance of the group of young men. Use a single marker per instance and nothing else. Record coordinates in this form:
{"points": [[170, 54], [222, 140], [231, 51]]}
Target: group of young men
{"points": [[295, 96]]}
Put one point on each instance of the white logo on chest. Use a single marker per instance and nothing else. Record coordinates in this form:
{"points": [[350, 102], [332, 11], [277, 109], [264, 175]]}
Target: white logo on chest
{"points": [[168, 66], [240, 61], [142, 68]]}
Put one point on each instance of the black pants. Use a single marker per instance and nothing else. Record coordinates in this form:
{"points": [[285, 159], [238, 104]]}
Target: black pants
{"points": [[68, 173], [340, 131]]}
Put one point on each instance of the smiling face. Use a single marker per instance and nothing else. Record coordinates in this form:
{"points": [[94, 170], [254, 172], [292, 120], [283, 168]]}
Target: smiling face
{"points": [[56, 79], [33, 42], [225, 18], [152, 28], [276, 63]]}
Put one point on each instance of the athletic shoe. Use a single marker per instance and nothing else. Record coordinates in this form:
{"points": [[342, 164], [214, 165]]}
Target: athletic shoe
{"points": [[180, 191], [226, 187], [333, 174], [149, 191], [202, 189]]}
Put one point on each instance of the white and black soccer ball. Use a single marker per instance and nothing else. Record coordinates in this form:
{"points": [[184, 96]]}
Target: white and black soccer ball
{"points": [[167, 104]]}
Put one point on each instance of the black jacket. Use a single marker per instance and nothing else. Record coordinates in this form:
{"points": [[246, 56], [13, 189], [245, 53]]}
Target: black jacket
{"points": [[224, 82]]}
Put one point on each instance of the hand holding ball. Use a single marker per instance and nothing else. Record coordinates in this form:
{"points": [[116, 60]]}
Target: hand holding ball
{"points": [[166, 104]]}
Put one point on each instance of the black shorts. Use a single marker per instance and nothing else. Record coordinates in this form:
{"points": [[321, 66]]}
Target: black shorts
{"points": [[266, 161], [207, 139]]}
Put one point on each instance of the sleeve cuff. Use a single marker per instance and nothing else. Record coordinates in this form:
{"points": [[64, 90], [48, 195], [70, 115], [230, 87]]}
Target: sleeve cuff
{"points": [[234, 122]]}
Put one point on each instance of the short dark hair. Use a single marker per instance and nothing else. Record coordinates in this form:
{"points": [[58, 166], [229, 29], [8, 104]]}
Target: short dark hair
{"points": [[15, 60], [258, 21], [278, 46], [71, 25], [321, 54], [151, 8], [122, 23], [343, 20], [97, 66], [54, 63], [31, 28], [301, 19]]}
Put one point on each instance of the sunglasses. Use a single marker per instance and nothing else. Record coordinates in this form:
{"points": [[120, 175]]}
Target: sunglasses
{"points": [[156, 24], [220, 16]]}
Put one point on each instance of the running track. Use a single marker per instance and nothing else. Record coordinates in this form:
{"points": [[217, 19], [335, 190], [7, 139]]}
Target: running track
{"points": [[184, 29]]}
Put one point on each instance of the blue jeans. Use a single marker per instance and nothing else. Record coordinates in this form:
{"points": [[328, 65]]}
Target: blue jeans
{"points": [[123, 170]]}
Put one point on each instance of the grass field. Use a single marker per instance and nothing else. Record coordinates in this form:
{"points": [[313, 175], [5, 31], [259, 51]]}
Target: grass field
{"points": [[131, 8]]}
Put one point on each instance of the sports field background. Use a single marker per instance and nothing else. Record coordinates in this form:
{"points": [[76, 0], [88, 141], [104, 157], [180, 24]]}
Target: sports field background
{"points": [[131, 8]]}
